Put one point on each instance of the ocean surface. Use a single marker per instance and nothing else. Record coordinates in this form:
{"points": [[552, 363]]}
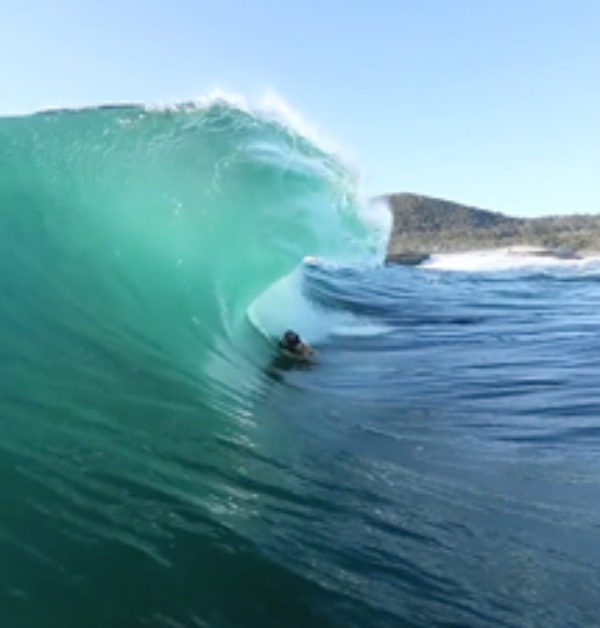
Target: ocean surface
{"points": [[160, 465]]}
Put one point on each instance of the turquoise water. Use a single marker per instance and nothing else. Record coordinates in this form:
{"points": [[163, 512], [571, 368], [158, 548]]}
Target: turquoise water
{"points": [[159, 466]]}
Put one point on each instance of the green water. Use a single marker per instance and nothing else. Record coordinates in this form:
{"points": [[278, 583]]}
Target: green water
{"points": [[133, 242]]}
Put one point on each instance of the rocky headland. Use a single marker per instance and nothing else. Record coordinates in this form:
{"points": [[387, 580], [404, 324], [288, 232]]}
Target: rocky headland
{"points": [[423, 225]]}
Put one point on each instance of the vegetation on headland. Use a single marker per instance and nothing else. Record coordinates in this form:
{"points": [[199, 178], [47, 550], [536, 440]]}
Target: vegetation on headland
{"points": [[423, 225]]}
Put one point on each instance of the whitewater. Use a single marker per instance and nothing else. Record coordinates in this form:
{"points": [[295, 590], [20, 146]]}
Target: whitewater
{"points": [[436, 466]]}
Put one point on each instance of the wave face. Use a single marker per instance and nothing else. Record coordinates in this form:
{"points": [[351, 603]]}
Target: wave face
{"points": [[160, 464], [134, 242], [165, 222], [137, 239]]}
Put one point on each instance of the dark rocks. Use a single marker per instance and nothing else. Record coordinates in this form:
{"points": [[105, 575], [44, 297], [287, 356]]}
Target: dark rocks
{"points": [[407, 259]]}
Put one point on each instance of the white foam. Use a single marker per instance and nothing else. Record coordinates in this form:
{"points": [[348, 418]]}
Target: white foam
{"points": [[516, 258], [360, 262], [378, 216], [360, 330], [216, 95], [285, 306], [274, 106]]}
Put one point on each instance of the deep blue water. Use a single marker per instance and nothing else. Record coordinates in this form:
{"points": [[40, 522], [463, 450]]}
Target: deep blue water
{"points": [[438, 466]]}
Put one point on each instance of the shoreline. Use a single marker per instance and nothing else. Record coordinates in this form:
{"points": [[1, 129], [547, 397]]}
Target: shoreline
{"points": [[423, 226]]}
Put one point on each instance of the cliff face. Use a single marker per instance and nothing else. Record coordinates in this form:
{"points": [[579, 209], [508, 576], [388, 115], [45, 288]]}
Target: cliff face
{"points": [[424, 225]]}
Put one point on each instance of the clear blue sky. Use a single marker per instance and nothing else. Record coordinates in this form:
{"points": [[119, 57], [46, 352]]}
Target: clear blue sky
{"points": [[490, 102]]}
